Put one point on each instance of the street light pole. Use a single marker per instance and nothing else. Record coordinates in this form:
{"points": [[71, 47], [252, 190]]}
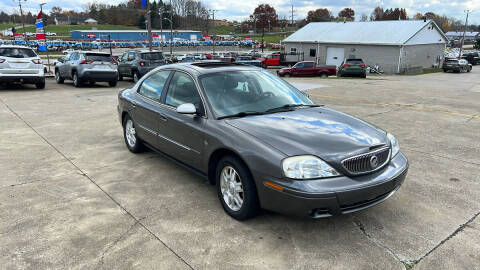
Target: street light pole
{"points": [[161, 28], [464, 32], [214, 30], [46, 40]]}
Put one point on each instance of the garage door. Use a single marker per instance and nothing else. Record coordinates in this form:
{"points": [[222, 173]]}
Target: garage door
{"points": [[335, 56]]}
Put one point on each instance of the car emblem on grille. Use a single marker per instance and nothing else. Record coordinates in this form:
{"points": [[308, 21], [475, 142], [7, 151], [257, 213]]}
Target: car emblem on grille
{"points": [[374, 161]]}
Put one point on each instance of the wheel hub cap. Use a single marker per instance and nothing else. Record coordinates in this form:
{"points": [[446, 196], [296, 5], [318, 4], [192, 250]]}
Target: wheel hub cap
{"points": [[231, 188], [130, 133]]}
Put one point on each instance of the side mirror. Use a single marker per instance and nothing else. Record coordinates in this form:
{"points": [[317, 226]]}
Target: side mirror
{"points": [[187, 108]]}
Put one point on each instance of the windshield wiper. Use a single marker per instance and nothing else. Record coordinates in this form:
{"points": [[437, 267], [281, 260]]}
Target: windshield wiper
{"points": [[241, 114], [289, 107]]}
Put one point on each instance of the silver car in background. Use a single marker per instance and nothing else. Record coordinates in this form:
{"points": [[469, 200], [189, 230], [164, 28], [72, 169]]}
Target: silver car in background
{"points": [[87, 67], [21, 64]]}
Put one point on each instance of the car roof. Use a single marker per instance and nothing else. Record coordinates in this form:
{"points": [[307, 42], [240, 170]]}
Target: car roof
{"points": [[212, 66]]}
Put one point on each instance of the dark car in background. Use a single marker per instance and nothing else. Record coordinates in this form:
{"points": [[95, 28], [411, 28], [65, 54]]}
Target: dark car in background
{"points": [[87, 67], [352, 67], [307, 68], [137, 63], [264, 143], [473, 58], [456, 65], [248, 60]]}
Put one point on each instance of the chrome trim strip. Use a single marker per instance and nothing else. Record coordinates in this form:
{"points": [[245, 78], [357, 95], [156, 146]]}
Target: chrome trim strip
{"points": [[147, 129], [178, 144], [365, 154]]}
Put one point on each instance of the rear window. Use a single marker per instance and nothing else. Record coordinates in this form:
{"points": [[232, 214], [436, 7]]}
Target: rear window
{"points": [[98, 57], [355, 61], [152, 56], [452, 60], [17, 52]]}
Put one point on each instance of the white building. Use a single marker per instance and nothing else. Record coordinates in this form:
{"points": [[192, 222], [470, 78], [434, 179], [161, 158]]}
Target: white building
{"points": [[396, 46], [469, 36]]}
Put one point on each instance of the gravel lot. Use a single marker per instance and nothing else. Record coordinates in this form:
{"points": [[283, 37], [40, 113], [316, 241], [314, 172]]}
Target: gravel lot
{"points": [[73, 197]]}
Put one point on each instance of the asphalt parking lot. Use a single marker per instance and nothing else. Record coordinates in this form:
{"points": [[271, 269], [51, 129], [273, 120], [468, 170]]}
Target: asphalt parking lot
{"points": [[73, 197]]}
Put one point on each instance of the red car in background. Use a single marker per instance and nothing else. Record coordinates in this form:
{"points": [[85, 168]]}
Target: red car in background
{"points": [[308, 68]]}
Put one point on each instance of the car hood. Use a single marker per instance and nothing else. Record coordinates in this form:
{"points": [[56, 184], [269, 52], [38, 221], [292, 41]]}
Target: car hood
{"points": [[320, 131]]}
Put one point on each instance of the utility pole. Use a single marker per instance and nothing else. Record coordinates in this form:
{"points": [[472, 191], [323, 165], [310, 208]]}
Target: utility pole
{"points": [[254, 32], [214, 32], [149, 25], [46, 39], [161, 27], [464, 32], [292, 15], [171, 28], [23, 20]]}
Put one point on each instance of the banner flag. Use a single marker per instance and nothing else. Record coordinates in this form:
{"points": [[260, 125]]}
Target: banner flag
{"points": [[40, 34]]}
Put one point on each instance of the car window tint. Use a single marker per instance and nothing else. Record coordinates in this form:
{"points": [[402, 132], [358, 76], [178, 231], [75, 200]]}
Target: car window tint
{"points": [[182, 90], [355, 61], [98, 57], [308, 65], [299, 65], [152, 56], [152, 87], [17, 52]]}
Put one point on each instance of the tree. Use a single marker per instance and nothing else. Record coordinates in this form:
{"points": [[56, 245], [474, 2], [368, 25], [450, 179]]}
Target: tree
{"points": [[263, 14], [418, 16], [319, 15], [377, 14], [347, 13]]}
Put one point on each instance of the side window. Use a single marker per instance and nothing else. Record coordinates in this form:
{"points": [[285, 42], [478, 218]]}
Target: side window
{"points": [[152, 87], [124, 57], [182, 90], [131, 56], [293, 50], [299, 65], [308, 65]]}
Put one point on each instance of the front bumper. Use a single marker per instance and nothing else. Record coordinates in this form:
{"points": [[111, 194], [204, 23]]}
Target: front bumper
{"points": [[333, 196]]}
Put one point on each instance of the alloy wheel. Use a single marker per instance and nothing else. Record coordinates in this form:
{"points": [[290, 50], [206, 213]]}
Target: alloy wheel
{"points": [[232, 188], [130, 133]]}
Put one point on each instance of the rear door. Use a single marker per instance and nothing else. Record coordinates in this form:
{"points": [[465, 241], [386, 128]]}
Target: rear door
{"points": [[182, 135], [308, 69], [148, 110], [122, 64]]}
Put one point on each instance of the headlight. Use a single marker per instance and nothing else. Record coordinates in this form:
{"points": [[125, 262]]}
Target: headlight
{"points": [[307, 167], [394, 143]]}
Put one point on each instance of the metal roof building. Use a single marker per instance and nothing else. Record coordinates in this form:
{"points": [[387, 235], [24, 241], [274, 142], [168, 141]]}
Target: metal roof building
{"points": [[469, 36], [396, 46], [133, 35]]}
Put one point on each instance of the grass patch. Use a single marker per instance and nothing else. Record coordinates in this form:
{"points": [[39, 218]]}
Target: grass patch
{"points": [[64, 30]]}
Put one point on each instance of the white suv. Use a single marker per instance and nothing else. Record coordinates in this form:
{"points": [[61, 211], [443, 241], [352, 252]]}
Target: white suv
{"points": [[21, 64]]}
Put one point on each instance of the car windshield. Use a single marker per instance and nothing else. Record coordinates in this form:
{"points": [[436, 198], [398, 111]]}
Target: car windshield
{"points": [[17, 52], [98, 57], [152, 56], [236, 92]]}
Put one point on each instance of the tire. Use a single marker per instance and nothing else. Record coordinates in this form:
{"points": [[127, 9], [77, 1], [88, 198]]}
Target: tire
{"points": [[364, 75], [91, 83], [444, 70], [120, 77], [76, 81], [112, 83], [323, 75], [134, 144], [287, 75], [58, 77], [41, 84], [135, 76], [468, 70], [240, 205]]}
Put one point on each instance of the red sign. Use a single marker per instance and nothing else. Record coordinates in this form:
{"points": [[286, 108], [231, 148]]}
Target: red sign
{"points": [[91, 36]]}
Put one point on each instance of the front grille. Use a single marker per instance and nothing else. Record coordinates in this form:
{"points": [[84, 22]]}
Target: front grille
{"points": [[368, 162]]}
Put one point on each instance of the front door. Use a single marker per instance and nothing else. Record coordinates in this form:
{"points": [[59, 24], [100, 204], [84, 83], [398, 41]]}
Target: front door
{"points": [[182, 135]]}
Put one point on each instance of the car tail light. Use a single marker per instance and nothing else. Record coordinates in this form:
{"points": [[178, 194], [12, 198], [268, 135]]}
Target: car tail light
{"points": [[363, 65], [346, 65], [2, 60], [86, 62], [36, 61], [142, 64]]}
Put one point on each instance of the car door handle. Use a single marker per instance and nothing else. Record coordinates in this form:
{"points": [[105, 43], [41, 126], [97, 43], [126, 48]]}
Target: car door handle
{"points": [[162, 117], [134, 104]]}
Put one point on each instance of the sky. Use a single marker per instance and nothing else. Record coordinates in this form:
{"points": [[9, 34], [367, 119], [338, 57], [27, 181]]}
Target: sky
{"points": [[239, 10]]}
